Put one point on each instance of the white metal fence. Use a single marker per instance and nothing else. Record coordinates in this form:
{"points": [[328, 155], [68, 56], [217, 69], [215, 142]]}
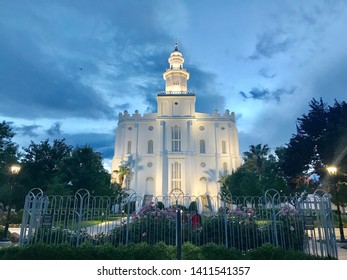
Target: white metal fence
{"points": [[244, 223]]}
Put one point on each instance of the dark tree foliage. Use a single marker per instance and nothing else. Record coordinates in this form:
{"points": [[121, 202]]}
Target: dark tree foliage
{"points": [[59, 169], [321, 140], [259, 173], [84, 169], [43, 162], [256, 156], [8, 156], [8, 149]]}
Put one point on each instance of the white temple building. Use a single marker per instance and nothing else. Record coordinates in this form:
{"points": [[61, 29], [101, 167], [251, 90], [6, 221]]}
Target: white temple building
{"points": [[176, 148]]}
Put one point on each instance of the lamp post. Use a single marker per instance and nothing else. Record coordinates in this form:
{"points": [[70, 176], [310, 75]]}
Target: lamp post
{"points": [[14, 169], [332, 172]]}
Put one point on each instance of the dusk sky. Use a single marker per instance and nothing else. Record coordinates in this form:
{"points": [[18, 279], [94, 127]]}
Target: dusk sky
{"points": [[67, 68]]}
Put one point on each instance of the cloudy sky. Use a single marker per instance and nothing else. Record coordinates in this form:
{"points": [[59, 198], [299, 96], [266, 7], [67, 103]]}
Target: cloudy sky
{"points": [[67, 68]]}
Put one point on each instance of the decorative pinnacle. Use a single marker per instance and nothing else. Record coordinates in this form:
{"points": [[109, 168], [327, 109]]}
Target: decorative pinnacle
{"points": [[176, 47]]}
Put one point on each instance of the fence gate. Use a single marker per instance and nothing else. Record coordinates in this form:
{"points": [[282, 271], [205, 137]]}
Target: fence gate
{"points": [[34, 205], [41, 214], [316, 214]]}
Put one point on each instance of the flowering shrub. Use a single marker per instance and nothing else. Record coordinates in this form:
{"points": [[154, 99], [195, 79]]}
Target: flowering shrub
{"points": [[288, 210], [151, 210], [244, 212]]}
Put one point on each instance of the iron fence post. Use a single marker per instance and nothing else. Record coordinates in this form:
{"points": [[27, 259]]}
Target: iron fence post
{"points": [[127, 225], [178, 234], [79, 222], [225, 225]]}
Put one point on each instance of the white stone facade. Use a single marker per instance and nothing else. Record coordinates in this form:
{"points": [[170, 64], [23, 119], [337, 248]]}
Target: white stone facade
{"points": [[176, 149]]}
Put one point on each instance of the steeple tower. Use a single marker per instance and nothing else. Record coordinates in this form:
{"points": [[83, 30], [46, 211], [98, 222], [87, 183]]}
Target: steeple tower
{"points": [[176, 100], [176, 76]]}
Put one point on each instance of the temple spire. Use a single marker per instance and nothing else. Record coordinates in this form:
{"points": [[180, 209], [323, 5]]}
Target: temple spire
{"points": [[176, 76]]}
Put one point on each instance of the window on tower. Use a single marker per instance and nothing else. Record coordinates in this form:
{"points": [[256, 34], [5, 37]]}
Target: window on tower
{"points": [[150, 147], [202, 147], [176, 138], [129, 147]]}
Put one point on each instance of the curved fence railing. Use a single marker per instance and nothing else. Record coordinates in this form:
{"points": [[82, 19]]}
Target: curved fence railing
{"points": [[243, 223]]}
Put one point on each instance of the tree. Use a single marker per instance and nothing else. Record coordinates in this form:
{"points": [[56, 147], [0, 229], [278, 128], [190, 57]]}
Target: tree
{"points": [[321, 140], [256, 156], [43, 163], [8, 156], [242, 182], [259, 173], [8, 149], [84, 169], [122, 172]]}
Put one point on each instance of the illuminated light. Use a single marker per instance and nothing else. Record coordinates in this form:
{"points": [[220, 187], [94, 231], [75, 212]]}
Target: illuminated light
{"points": [[15, 169], [332, 170]]}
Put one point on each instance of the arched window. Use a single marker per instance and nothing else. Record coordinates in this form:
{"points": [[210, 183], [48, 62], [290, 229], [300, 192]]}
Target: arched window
{"points": [[129, 147], [224, 147], [202, 147], [176, 138], [150, 147]]}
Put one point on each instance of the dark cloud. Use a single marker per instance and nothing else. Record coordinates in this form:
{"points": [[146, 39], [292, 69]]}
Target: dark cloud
{"points": [[55, 129], [52, 76], [151, 101], [31, 88], [265, 94], [265, 73], [331, 82], [88, 72], [270, 44], [28, 130], [204, 85], [101, 142], [122, 107]]}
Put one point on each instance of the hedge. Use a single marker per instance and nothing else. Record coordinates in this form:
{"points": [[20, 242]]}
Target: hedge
{"points": [[144, 251]]}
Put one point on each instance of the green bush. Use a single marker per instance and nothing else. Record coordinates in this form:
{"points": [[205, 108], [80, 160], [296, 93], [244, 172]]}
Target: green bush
{"points": [[191, 252], [144, 251], [213, 251], [2, 228], [193, 207], [269, 252], [15, 217]]}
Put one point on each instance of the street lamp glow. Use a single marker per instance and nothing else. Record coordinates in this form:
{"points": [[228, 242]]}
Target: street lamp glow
{"points": [[15, 169], [332, 170]]}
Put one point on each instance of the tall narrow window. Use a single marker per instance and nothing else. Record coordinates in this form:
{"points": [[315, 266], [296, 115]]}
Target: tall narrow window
{"points": [[176, 138], [176, 176], [202, 146], [224, 147], [150, 147], [225, 168], [129, 147]]}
